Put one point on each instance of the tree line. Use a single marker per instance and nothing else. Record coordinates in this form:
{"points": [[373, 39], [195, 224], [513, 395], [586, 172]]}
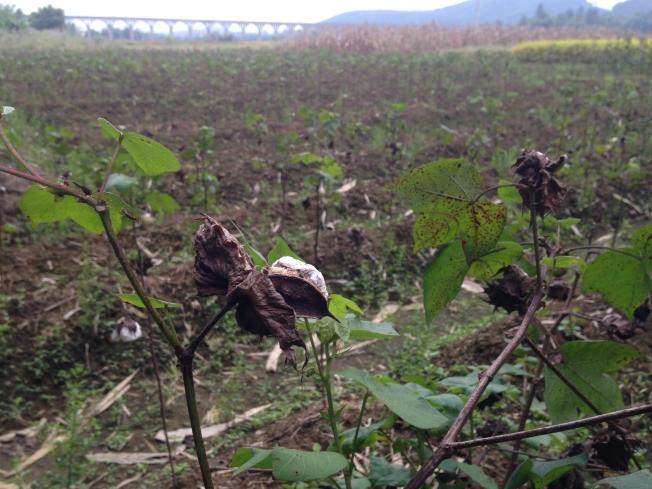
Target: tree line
{"points": [[13, 19]]}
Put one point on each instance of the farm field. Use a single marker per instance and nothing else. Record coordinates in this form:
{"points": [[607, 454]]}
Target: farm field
{"points": [[307, 145]]}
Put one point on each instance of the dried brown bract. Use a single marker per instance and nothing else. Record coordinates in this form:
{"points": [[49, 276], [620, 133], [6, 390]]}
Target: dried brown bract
{"points": [[511, 291], [267, 301], [613, 449], [538, 186], [221, 263]]}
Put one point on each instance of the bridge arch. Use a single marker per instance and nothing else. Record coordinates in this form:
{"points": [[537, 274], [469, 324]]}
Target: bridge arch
{"points": [[251, 29]]}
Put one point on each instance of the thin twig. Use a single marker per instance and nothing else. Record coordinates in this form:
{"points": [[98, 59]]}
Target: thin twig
{"points": [[542, 356], [556, 428], [109, 168], [536, 379], [357, 426], [169, 333], [444, 449], [48, 183], [602, 248], [196, 341], [14, 152]]}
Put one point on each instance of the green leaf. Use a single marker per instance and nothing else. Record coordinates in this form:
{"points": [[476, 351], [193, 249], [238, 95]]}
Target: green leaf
{"points": [[545, 473], [402, 400], [443, 279], [520, 476], [477, 475], [151, 157], [384, 474], [587, 365], [481, 224], [6, 110], [449, 404], [339, 306], [108, 129], [120, 182], [642, 245], [567, 223], [433, 229], [298, 465], [341, 328], [444, 196], [361, 330], [509, 195], [116, 208], [162, 202], [642, 241], [367, 435], [251, 458], [636, 480], [280, 250], [306, 158], [38, 204], [134, 300], [477, 224], [485, 267], [621, 279], [82, 214], [330, 168], [257, 257], [41, 206], [443, 180]]}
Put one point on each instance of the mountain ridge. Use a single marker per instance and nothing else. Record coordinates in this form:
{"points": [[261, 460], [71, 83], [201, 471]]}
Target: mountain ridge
{"points": [[490, 11]]}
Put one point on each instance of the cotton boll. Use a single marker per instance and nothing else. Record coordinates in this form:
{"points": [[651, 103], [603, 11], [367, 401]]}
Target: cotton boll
{"points": [[305, 270], [126, 331]]}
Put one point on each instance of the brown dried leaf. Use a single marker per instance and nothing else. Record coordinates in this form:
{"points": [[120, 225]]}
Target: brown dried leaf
{"points": [[263, 311], [221, 263], [511, 291], [538, 186]]}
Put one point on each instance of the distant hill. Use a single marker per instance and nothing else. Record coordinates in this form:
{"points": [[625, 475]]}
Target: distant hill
{"points": [[633, 7], [490, 11]]}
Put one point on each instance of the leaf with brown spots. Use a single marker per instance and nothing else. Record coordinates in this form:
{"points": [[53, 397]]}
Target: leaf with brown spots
{"points": [[446, 196]]}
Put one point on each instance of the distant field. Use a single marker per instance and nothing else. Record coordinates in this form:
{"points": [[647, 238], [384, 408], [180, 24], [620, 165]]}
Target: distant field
{"points": [[240, 117]]}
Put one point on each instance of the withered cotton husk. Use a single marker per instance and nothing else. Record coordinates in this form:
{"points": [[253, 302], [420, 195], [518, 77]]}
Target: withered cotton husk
{"points": [[268, 300]]}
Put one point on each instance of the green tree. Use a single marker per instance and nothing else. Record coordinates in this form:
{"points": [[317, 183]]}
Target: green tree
{"points": [[12, 19], [47, 18]]}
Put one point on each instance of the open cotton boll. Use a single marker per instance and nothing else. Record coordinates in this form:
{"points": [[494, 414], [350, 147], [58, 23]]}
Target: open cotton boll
{"points": [[126, 332], [304, 270]]}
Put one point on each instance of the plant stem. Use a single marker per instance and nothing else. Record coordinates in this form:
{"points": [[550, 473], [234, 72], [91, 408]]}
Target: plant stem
{"points": [[50, 184], [185, 362], [605, 248], [357, 426], [107, 174], [317, 224], [544, 359], [331, 411], [535, 239], [556, 428], [14, 153], [445, 447], [196, 341], [325, 377], [169, 333], [536, 378], [161, 401]]}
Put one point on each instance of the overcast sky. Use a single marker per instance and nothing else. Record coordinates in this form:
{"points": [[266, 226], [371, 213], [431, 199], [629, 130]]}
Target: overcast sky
{"points": [[254, 10]]}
